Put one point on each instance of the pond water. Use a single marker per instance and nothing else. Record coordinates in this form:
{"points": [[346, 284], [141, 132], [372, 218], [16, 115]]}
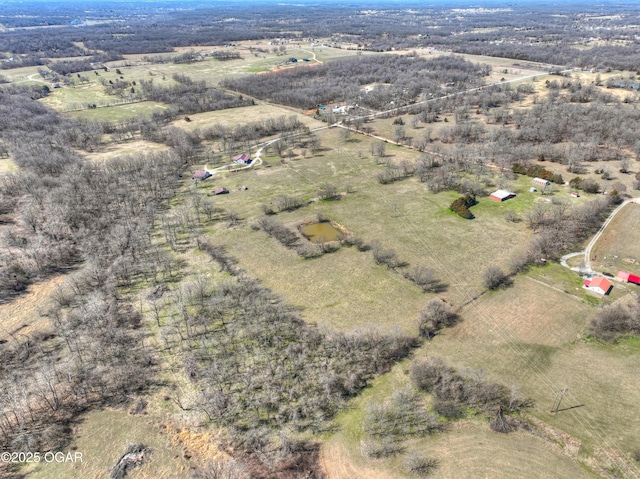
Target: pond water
{"points": [[321, 232]]}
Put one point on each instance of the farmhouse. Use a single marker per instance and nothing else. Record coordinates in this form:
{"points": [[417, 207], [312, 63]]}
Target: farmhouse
{"points": [[502, 195], [541, 182], [201, 175], [628, 277], [600, 285], [221, 191], [242, 159]]}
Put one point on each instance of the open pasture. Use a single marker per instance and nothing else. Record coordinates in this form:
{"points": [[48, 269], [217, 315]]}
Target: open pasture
{"points": [[535, 337], [119, 112], [133, 147], [232, 117], [403, 216], [619, 246], [468, 448]]}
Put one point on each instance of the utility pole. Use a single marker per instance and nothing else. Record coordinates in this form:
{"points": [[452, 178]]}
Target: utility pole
{"points": [[558, 400]]}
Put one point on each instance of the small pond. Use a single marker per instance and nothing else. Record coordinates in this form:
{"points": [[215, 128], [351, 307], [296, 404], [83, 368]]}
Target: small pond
{"points": [[321, 232]]}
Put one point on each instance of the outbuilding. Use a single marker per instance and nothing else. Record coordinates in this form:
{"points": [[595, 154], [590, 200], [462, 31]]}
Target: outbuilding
{"points": [[600, 285], [242, 159], [201, 175], [221, 191], [628, 277], [502, 195], [541, 182]]}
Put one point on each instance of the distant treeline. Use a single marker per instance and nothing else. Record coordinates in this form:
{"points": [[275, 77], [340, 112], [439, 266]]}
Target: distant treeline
{"points": [[553, 34]]}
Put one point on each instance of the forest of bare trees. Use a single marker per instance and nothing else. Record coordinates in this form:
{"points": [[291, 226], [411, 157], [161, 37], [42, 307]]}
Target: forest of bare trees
{"points": [[408, 77]]}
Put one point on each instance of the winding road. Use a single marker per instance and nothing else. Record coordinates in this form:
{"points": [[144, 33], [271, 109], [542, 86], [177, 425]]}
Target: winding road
{"points": [[586, 269]]}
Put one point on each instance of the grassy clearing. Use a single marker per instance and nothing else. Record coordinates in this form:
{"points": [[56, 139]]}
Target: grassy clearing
{"points": [[103, 437], [620, 241], [24, 74], [7, 166], [344, 290], [213, 70], [133, 147], [468, 449], [120, 112], [535, 337], [22, 315], [403, 215], [239, 116], [530, 335], [63, 98]]}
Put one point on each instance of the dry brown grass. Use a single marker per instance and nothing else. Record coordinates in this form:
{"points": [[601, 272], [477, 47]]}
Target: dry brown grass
{"points": [[103, 436], [467, 449], [22, 315], [7, 166], [111, 150], [239, 116], [620, 241]]}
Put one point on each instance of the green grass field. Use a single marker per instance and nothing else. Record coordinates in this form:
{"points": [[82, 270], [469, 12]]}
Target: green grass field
{"points": [[403, 216], [532, 337]]}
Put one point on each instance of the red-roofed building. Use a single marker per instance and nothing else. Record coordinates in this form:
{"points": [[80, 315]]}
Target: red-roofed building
{"points": [[242, 159], [502, 195], [600, 285], [628, 277], [221, 191], [201, 175]]}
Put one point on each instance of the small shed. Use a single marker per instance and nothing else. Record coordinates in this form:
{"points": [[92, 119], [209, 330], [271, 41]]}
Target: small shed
{"points": [[502, 195], [628, 277], [541, 182], [532, 190], [221, 191], [600, 285], [201, 175], [575, 194], [242, 159]]}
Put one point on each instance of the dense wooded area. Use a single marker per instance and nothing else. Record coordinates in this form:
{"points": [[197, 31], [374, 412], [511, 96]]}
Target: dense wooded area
{"points": [[398, 79]]}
